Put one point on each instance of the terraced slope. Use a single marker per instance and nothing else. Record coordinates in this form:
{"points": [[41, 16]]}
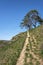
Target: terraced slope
{"points": [[10, 50]]}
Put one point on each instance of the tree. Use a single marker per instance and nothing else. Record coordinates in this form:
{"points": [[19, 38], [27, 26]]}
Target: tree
{"points": [[40, 21], [31, 19]]}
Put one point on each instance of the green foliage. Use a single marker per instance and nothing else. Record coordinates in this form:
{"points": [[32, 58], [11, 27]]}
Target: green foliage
{"points": [[31, 19]]}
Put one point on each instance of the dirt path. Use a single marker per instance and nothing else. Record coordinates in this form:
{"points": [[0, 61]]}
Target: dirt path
{"points": [[22, 55]]}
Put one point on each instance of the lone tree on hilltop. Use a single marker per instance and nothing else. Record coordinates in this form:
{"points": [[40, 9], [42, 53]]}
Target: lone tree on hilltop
{"points": [[31, 19]]}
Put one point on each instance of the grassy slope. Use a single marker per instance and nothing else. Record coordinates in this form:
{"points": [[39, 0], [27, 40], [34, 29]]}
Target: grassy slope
{"points": [[38, 33], [34, 57], [36, 48], [10, 50]]}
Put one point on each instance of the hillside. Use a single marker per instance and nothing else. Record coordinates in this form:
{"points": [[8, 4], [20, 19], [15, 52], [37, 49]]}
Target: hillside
{"points": [[10, 50], [34, 48], [32, 53]]}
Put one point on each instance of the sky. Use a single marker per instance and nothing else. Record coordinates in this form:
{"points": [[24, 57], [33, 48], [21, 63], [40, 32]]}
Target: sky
{"points": [[12, 13]]}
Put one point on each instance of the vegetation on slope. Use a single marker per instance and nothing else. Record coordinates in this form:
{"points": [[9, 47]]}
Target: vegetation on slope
{"points": [[34, 55], [10, 51], [38, 33]]}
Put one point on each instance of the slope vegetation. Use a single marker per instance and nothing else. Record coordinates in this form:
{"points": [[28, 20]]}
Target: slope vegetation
{"points": [[10, 50], [32, 53], [34, 49]]}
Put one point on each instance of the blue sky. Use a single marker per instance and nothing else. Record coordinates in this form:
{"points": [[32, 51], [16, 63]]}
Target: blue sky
{"points": [[11, 14]]}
